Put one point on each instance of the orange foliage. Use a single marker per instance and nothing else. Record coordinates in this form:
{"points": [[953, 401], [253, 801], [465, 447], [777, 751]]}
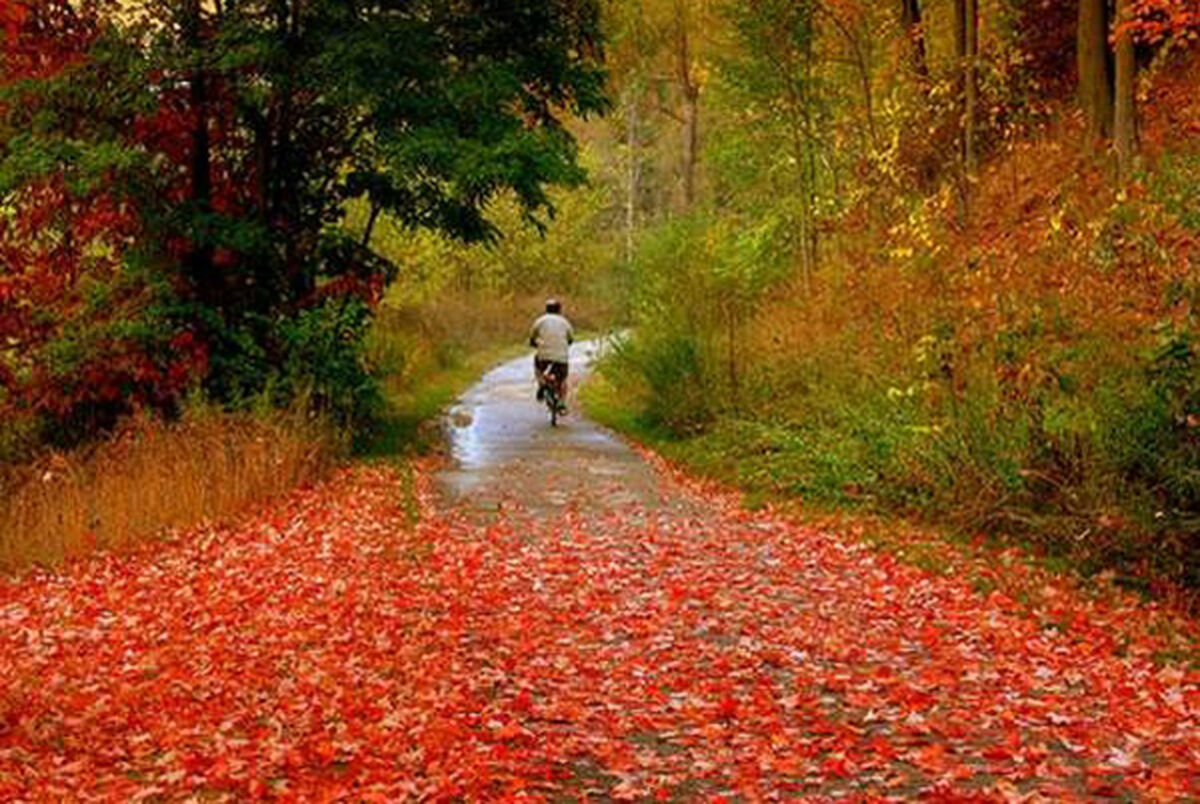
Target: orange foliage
{"points": [[1040, 213]]}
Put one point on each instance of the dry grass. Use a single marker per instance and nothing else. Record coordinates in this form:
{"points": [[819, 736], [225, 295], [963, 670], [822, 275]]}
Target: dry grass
{"points": [[149, 478]]}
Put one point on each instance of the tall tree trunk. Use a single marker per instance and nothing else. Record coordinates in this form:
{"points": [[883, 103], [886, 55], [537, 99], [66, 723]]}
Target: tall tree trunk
{"points": [[959, 25], [690, 91], [289, 159], [1125, 106], [971, 88], [261, 127], [800, 157], [914, 29], [966, 46], [1095, 71], [203, 273], [809, 204], [633, 189], [691, 136]]}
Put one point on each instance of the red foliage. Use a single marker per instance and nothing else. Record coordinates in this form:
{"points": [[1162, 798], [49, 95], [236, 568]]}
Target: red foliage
{"points": [[43, 38], [326, 650], [61, 245], [1158, 20]]}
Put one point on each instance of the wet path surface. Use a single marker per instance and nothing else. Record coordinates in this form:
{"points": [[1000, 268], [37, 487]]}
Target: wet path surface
{"points": [[503, 449]]}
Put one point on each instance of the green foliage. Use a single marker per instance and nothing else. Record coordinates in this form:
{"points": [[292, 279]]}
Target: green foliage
{"points": [[218, 146], [667, 371], [324, 361], [574, 257], [695, 283], [1053, 469], [1176, 185]]}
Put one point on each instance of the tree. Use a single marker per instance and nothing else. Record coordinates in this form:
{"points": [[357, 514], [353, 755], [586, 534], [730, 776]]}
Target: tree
{"points": [[777, 71], [247, 127], [631, 50], [914, 29], [966, 49], [86, 327], [1095, 69], [689, 90], [1124, 107]]}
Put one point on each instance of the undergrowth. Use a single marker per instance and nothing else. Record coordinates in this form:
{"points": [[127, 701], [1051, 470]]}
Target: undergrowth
{"points": [[1030, 373]]}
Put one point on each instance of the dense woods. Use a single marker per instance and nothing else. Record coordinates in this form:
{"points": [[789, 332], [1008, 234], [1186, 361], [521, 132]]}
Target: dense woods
{"points": [[934, 256]]}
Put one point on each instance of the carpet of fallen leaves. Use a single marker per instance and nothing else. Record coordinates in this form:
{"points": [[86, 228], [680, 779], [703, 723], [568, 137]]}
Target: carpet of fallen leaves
{"points": [[327, 648]]}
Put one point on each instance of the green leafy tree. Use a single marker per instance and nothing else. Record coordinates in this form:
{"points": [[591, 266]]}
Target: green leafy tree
{"points": [[240, 131]]}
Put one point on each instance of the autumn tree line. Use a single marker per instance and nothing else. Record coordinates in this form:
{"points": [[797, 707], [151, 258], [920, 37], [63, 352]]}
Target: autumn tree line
{"points": [[927, 256], [830, 66]]}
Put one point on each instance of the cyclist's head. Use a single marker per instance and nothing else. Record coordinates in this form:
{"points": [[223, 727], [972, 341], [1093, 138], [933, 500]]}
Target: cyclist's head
{"points": [[553, 306]]}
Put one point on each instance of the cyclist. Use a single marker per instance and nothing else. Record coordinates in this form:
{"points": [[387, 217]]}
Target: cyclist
{"points": [[552, 336]]}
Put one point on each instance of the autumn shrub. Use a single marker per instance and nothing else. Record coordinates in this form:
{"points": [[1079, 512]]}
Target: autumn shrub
{"points": [[151, 477], [1176, 185], [325, 361], [1032, 377]]}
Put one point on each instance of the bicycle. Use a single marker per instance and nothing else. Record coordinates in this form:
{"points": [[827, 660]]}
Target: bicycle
{"points": [[552, 395]]}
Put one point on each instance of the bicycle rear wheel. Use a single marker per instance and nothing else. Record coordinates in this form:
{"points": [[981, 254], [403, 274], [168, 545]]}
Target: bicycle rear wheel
{"points": [[551, 398]]}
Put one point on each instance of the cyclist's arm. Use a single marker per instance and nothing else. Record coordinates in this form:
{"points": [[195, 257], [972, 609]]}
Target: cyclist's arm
{"points": [[533, 333]]}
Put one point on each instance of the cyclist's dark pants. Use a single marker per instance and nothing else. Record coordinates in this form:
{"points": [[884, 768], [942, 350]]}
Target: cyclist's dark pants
{"points": [[553, 368]]}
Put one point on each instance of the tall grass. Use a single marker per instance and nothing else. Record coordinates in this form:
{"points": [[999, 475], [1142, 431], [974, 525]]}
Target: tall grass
{"points": [[153, 476]]}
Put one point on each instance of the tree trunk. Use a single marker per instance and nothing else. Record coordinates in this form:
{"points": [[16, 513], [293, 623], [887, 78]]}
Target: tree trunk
{"points": [[1095, 71], [864, 81], [800, 157], [970, 88], [369, 229], [691, 126], [966, 46], [1125, 107], [633, 188], [809, 166], [910, 19], [960, 30], [690, 91], [289, 169]]}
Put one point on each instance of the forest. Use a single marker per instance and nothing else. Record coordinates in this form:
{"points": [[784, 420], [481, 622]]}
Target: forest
{"points": [[930, 258], [883, 483]]}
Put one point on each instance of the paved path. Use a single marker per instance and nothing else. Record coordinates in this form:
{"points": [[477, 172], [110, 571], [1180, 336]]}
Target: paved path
{"points": [[502, 448]]}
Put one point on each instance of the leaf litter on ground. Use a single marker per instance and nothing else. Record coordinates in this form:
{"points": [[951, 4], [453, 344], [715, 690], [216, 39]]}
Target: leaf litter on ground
{"points": [[327, 648]]}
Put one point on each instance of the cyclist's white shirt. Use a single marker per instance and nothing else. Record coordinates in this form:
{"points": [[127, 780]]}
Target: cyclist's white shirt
{"points": [[552, 334]]}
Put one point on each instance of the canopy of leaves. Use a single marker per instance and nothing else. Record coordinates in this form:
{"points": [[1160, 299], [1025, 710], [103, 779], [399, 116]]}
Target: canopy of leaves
{"points": [[227, 138]]}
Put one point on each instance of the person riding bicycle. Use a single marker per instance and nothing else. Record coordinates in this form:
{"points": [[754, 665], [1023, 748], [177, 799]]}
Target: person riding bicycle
{"points": [[552, 336]]}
